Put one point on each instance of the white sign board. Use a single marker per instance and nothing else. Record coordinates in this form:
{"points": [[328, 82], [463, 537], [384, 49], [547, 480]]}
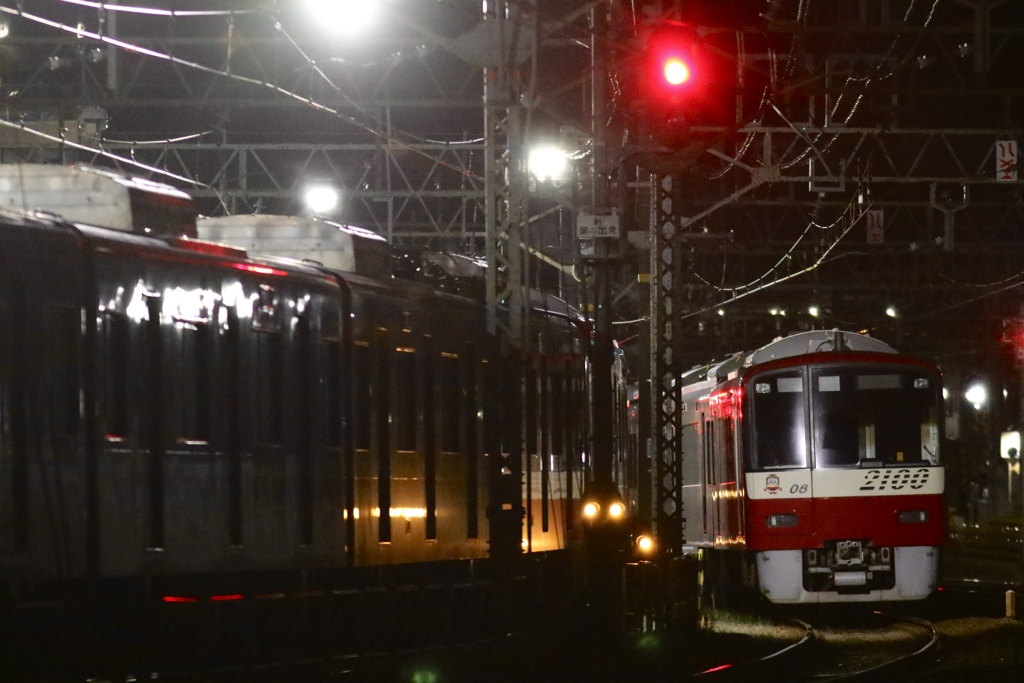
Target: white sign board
{"points": [[1009, 441], [1006, 160], [589, 225]]}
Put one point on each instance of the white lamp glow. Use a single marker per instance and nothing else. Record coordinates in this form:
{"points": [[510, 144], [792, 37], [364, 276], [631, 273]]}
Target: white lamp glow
{"points": [[321, 199], [548, 163], [344, 16], [976, 395]]}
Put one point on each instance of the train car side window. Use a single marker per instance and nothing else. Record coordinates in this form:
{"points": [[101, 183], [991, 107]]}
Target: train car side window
{"points": [[230, 377], [429, 406], [779, 414], [265, 314], [330, 341], [193, 373], [361, 407], [558, 411], [116, 364], [406, 398], [531, 405], [451, 401], [63, 331], [268, 370], [269, 366], [14, 422], [381, 383], [471, 440]]}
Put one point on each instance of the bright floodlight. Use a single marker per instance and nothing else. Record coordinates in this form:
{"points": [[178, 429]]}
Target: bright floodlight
{"points": [[321, 199], [976, 395], [5, 30], [892, 312], [548, 163], [344, 16]]}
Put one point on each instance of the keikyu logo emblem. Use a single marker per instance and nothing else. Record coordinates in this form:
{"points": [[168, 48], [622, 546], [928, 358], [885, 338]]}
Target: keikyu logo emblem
{"points": [[772, 484]]}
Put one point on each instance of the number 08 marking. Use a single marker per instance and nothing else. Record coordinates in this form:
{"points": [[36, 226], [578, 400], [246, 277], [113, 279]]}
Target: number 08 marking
{"points": [[798, 488]]}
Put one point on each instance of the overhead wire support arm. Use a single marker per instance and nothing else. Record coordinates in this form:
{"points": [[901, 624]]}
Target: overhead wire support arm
{"points": [[505, 176]]}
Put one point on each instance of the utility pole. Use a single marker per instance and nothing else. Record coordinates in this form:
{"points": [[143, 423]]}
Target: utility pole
{"points": [[601, 350]]}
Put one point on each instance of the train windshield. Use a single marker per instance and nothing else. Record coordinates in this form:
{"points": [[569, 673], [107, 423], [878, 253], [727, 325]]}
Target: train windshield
{"points": [[874, 416], [778, 405]]}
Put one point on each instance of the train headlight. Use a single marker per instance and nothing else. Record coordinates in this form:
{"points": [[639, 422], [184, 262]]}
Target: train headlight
{"points": [[645, 544], [783, 521], [914, 516], [616, 510], [590, 510]]}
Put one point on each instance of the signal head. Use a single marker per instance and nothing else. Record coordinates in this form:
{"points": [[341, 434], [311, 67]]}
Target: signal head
{"points": [[670, 60]]}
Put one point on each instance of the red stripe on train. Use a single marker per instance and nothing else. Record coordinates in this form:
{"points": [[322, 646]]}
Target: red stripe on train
{"points": [[825, 519]]}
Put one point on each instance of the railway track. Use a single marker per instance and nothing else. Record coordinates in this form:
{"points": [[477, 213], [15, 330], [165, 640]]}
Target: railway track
{"points": [[841, 652]]}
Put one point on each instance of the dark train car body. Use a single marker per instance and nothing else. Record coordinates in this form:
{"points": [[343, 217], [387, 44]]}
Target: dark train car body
{"points": [[812, 470], [182, 421], [173, 407]]}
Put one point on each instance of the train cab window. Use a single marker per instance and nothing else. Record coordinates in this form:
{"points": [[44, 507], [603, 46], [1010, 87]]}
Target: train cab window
{"points": [[873, 417], [780, 420]]}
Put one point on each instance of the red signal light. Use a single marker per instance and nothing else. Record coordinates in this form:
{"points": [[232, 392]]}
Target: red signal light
{"points": [[672, 72], [676, 71], [677, 81]]}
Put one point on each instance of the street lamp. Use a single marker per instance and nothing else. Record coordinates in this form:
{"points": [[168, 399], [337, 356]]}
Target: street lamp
{"points": [[344, 16], [976, 395], [548, 163], [321, 199]]}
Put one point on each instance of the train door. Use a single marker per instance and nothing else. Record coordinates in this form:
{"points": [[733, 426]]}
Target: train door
{"points": [[777, 455], [710, 478], [727, 487]]}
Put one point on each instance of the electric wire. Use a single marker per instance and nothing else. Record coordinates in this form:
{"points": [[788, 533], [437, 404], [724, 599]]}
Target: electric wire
{"points": [[103, 153], [108, 7], [309, 102], [803, 271]]}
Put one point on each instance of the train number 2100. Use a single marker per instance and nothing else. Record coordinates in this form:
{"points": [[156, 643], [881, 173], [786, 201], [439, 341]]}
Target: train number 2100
{"points": [[894, 480]]}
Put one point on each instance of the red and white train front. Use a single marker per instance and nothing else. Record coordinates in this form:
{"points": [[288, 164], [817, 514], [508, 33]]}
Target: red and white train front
{"points": [[839, 494]]}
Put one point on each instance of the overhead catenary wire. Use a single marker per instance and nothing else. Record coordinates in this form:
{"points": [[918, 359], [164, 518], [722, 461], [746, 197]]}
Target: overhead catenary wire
{"points": [[128, 9], [803, 271], [102, 152], [785, 257], [307, 101]]}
